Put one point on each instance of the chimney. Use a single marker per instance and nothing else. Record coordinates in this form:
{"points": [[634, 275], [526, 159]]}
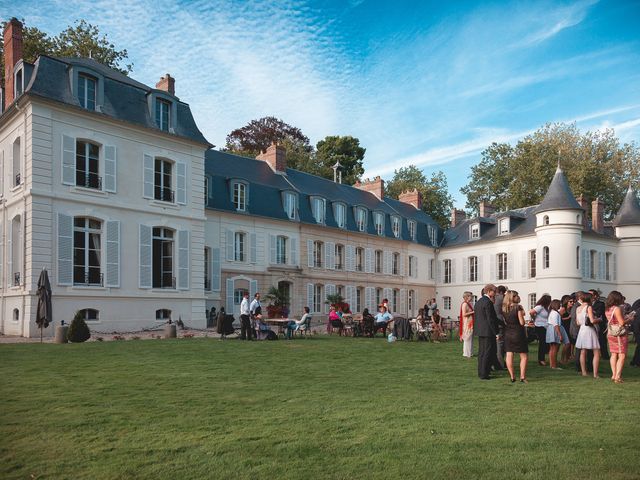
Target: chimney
{"points": [[597, 215], [457, 217], [486, 209], [167, 83], [275, 155], [12, 54], [584, 204], [412, 197], [375, 186]]}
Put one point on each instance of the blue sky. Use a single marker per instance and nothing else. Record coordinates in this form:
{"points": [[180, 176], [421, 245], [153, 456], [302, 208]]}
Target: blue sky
{"points": [[424, 83]]}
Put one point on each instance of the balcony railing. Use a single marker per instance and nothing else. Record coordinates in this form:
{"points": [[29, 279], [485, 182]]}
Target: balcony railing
{"points": [[164, 194], [165, 282], [16, 279], [90, 180], [90, 279], [18, 179]]}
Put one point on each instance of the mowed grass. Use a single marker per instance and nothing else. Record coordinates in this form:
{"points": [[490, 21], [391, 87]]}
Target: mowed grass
{"points": [[323, 407]]}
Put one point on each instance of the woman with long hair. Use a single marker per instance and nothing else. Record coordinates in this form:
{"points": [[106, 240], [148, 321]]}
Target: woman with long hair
{"points": [[587, 335], [539, 314], [467, 317], [616, 336], [554, 336], [515, 336], [565, 318]]}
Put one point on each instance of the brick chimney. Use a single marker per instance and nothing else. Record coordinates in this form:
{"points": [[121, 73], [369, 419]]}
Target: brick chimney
{"points": [[375, 186], [412, 197], [12, 54], [167, 83], [584, 204], [457, 217], [486, 209], [275, 155], [597, 215]]}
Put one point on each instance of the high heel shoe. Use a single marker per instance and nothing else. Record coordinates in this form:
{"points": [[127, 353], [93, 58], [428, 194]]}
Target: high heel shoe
{"points": [[513, 379], [523, 380]]}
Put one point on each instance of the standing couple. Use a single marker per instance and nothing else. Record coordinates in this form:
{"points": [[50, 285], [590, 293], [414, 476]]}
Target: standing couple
{"points": [[486, 326]]}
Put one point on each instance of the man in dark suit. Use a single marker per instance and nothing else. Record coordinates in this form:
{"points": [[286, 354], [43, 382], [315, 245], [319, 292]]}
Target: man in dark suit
{"points": [[486, 329]]}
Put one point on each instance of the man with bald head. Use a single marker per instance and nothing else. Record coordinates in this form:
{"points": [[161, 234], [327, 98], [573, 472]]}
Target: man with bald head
{"points": [[486, 329]]}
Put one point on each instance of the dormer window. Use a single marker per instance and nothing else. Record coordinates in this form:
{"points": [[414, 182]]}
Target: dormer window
{"points": [[290, 203], [474, 231], [361, 218], [318, 209], [432, 234], [504, 226], [378, 220], [412, 229], [87, 91], [395, 226], [163, 116], [239, 196], [19, 79], [340, 214]]}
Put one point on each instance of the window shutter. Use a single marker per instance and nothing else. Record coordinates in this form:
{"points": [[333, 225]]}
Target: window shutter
{"points": [[615, 269], [229, 245], [253, 289], [386, 262], [310, 297], [229, 296], [465, 270], [310, 253], [453, 270], [368, 298], [480, 266], [330, 255], [601, 272], [113, 254], [585, 263], [439, 265], [1, 191], [65, 250], [403, 301], [329, 289], [183, 260], [147, 175], [254, 248], [146, 254], [492, 267], [181, 183], [510, 265], [110, 168], [68, 160], [386, 293], [401, 259], [525, 264], [10, 254], [368, 260], [272, 249], [415, 267], [350, 253], [215, 269], [293, 257]]}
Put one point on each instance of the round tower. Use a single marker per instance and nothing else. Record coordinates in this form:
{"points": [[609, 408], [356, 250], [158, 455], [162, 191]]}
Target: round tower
{"points": [[627, 225], [558, 240]]}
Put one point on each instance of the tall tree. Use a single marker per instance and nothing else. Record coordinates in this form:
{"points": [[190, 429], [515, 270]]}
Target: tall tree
{"points": [[595, 163], [343, 149], [81, 40], [436, 200]]}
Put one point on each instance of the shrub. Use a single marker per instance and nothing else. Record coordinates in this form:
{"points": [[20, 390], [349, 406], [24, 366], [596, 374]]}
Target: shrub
{"points": [[78, 330]]}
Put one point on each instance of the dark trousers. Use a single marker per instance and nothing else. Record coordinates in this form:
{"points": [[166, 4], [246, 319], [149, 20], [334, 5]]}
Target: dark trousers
{"points": [[636, 357], [498, 361], [246, 332], [604, 343], [541, 333], [486, 355]]}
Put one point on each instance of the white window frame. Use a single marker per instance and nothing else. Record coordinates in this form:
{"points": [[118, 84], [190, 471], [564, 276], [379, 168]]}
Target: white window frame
{"points": [[318, 250], [447, 271], [473, 268], [378, 261], [533, 263], [83, 82], [502, 266], [87, 231], [340, 212], [503, 226], [339, 257], [378, 221], [593, 259], [361, 219], [533, 299], [163, 106], [395, 226], [474, 231], [281, 250], [395, 263], [318, 300], [239, 247], [164, 164], [446, 303], [290, 204], [546, 260], [360, 260], [239, 196], [411, 224], [318, 208]]}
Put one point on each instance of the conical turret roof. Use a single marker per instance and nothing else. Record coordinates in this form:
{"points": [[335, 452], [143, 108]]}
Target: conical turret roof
{"points": [[629, 213], [559, 195]]}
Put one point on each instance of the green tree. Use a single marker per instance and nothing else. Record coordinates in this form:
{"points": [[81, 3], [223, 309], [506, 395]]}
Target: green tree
{"points": [[595, 163], [343, 149], [81, 40], [436, 200]]}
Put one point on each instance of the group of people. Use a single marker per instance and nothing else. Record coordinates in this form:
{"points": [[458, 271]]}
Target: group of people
{"points": [[579, 325]]}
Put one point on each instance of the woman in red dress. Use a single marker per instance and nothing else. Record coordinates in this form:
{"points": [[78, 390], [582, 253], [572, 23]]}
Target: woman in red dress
{"points": [[617, 343]]}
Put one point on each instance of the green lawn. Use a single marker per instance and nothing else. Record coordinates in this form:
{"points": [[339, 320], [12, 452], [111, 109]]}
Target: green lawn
{"points": [[323, 407]]}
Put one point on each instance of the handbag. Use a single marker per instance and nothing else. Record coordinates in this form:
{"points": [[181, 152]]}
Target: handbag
{"points": [[616, 330]]}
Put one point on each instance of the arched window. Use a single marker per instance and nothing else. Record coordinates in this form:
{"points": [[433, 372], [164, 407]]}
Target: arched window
{"points": [[16, 315], [163, 254], [16, 243], [545, 257], [578, 219], [90, 314], [17, 153], [545, 220], [163, 314], [87, 250]]}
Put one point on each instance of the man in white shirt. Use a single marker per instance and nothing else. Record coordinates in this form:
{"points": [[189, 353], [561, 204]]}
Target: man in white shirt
{"points": [[246, 332], [255, 309]]}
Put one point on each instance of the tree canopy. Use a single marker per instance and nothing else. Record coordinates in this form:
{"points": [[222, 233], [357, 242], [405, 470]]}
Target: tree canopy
{"points": [[595, 163], [81, 40], [436, 200], [347, 151]]}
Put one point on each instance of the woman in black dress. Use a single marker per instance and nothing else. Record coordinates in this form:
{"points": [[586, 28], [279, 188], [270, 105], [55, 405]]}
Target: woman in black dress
{"points": [[515, 337]]}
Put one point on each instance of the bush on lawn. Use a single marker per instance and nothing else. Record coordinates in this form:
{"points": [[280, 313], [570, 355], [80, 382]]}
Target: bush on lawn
{"points": [[78, 330]]}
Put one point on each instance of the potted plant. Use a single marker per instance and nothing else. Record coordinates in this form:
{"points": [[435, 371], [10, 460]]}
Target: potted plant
{"points": [[336, 300], [278, 303]]}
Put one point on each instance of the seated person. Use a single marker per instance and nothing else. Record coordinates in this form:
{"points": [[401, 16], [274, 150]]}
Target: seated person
{"points": [[262, 329], [421, 326], [334, 319], [383, 318], [367, 322], [436, 328], [295, 325]]}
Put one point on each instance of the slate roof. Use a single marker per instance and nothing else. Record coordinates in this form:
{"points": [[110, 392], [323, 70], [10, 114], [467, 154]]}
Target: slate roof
{"points": [[125, 99], [559, 195], [629, 213], [266, 188]]}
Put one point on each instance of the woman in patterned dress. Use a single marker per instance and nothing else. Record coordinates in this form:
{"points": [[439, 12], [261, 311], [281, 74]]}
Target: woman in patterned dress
{"points": [[617, 344]]}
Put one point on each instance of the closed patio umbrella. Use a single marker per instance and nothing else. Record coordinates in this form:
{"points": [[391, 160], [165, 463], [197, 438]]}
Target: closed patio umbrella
{"points": [[43, 314]]}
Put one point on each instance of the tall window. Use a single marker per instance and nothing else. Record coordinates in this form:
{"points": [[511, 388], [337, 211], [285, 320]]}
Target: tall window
{"points": [[532, 300], [532, 263], [318, 209], [607, 266], [207, 268], [290, 205], [545, 257], [395, 270], [577, 258], [412, 229], [446, 303], [411, 301], [474, 231], [395, 226], [378, 296], [19, 83], [163, 258], [17, 162], [87, 91], [87, 160], [317, 255], [502, 266], [593, 255], [240, 196], [395, 293], [206, 189], [473, 269], [16, 250], [359, 259], [504, 226], [87, 251], [361, 219], [412, 267], [378, 219], [447, 271], [378, 261], [545, 220], [341, 215], [317, 298], [433, 234], [239, 247], [163, 116], [432, 264], [281, 250], [162, 180], [359, 294], [90, 315], [339, 260]]}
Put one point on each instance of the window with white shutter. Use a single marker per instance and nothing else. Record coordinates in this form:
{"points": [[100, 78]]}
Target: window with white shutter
{"points": [[293, 257], [68, 160], [113, 253], [147, 176], [181, 183], [183, 259], [229, 297], [110, 168], [216, 269], [145, 257], [253, 248], [65, 249]]}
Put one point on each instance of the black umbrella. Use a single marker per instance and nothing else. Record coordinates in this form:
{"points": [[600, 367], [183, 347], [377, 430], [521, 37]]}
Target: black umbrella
{"points": [[43, 315]]}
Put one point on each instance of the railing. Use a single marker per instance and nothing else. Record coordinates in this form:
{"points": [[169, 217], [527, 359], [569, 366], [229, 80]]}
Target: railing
{"points": [[18, 179], [90, 279], [164, 194], [165, 282], [16, 279], [90, 180]]}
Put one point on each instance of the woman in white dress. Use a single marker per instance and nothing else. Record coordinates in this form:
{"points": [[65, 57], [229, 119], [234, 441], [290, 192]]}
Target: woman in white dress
{"points": [[587, 335], [466, 325]]}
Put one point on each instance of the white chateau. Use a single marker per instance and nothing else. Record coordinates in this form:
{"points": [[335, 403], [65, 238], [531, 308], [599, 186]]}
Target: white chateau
{"points": [[109, 185]]}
